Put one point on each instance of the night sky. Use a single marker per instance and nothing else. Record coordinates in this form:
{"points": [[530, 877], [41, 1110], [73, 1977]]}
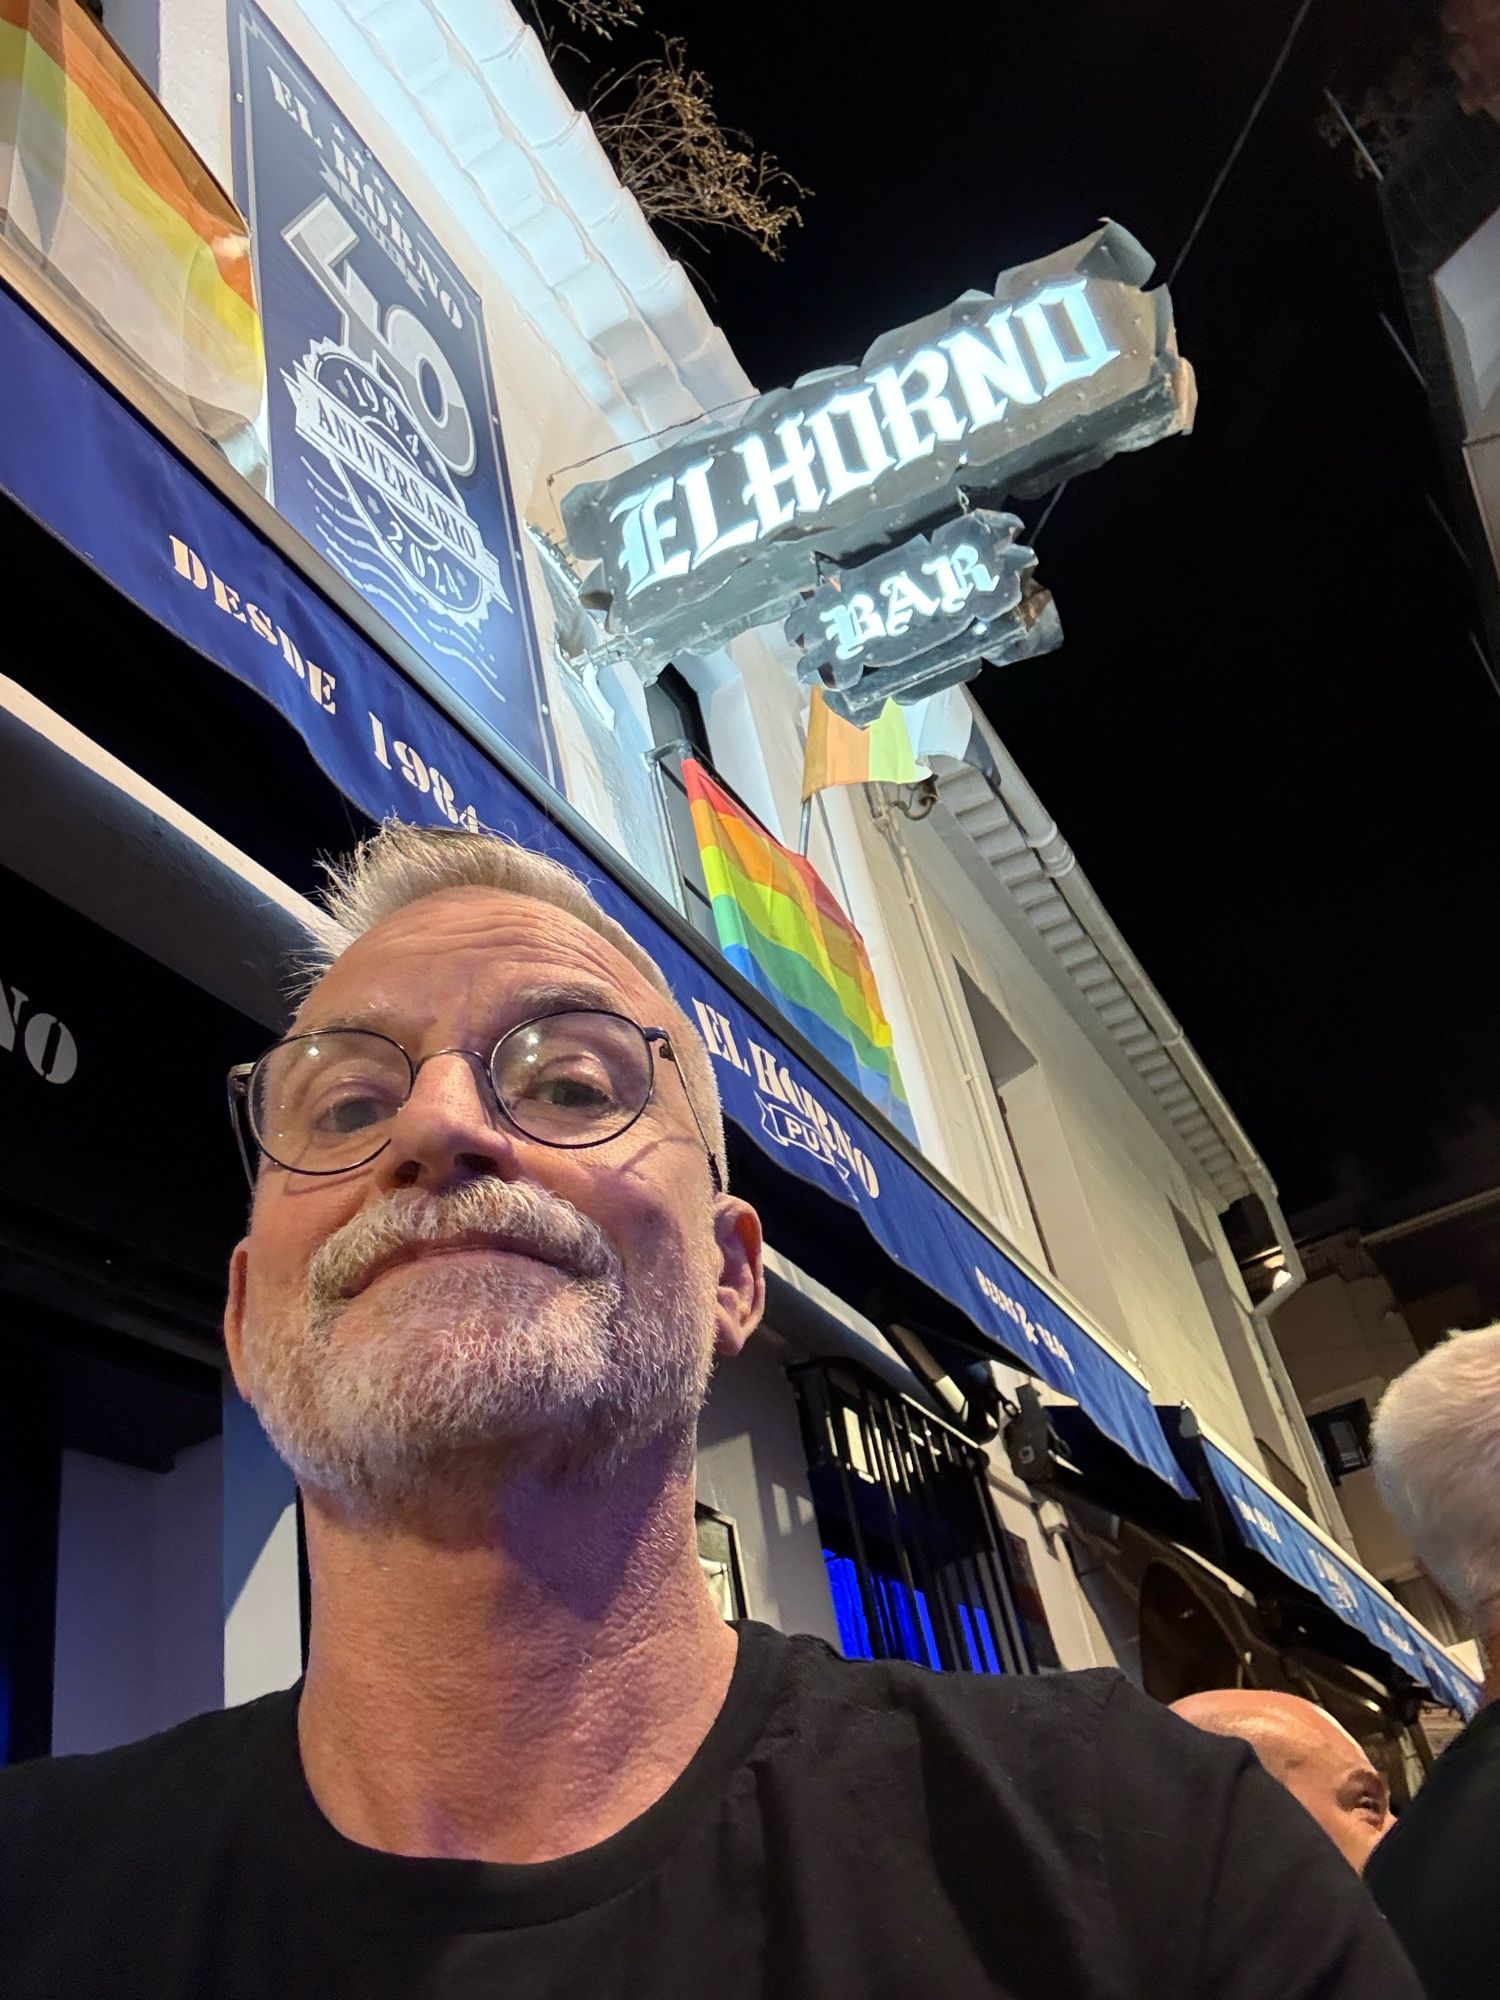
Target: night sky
{"points": [[1268, 735]]}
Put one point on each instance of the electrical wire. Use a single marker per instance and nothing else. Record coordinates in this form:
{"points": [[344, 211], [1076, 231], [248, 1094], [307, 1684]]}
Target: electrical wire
{"points": [[1244, 133], [1287, 44]]}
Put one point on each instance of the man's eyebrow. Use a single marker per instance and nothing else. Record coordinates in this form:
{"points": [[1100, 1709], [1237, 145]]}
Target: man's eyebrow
{"points": [[556, 996], [564, 996], [371, 1014]]}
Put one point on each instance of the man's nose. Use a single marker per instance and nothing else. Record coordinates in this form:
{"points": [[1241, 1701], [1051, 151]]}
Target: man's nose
{"points": [[449, 1129]]}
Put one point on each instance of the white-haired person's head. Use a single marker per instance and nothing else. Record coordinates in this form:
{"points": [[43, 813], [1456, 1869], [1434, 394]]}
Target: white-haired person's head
{"points": [[1437, 1462]]}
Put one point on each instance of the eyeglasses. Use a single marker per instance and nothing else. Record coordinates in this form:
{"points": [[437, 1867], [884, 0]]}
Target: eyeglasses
{"points": [[323, 1102]]}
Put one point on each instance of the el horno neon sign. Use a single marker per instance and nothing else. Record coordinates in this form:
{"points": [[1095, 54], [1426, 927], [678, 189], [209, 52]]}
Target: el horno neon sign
{"points": [[1065, 363]]}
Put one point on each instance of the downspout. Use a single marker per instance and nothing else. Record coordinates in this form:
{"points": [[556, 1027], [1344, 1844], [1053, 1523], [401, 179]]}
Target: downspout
{"points": [[1290, 1280]]}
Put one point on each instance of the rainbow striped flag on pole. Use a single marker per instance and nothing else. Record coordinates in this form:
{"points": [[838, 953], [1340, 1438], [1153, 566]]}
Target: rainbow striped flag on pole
{"points": [[101, 189], [780, 927]]}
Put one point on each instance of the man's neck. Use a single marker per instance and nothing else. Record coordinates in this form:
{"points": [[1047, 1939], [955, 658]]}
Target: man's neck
{"points": [[514, 1694]]}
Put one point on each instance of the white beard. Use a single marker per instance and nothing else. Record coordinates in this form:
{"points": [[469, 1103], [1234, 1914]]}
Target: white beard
{"points": [[451, 1372]]}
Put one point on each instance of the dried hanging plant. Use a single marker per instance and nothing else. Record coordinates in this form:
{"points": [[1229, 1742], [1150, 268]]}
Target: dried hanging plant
{"points": [[597, 17], [657, 123], [1387, 114]]}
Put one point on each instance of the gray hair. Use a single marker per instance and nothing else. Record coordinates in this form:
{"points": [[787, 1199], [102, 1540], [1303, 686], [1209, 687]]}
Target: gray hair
{"points": [[402, 863], [1437, 1461]]}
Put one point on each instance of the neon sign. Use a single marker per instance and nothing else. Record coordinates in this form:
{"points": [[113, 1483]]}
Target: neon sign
{"points": [[1065, 363], [924, 616]]}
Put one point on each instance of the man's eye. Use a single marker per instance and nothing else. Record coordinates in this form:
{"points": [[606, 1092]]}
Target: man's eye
{"points": [[569, 1093], [352, 1113]]}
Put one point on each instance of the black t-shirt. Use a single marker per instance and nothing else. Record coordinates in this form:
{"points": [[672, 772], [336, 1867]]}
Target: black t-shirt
{"points": [[1434, 1873], [844, 1831]]}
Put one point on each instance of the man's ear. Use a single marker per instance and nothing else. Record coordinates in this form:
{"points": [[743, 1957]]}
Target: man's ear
{"points": [[742, 1281], [234, 1314]]}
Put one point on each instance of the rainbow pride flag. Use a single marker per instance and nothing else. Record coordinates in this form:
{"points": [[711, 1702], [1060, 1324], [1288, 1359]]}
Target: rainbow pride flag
{"points": [[779, 926], [99, 186]]}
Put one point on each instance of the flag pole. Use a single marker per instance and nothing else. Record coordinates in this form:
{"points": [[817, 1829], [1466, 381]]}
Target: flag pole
{"points": [[805, 828]]}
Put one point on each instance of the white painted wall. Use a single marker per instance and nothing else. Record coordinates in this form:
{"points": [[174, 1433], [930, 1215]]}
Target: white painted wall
{"points": [[751, 1467], [1079, 1637], [138, 1624], [261, 1603], [1109, 1186], [1342, 1329], [1343, 1337]]}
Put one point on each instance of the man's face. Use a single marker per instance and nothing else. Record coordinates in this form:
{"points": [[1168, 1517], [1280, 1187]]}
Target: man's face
{"points": [[472, 1299], [1345, 1794], [1308, 1751]]}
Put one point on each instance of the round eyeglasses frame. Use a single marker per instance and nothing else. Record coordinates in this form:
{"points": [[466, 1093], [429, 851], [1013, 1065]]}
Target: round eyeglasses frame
{"points": [[241, 1078]]}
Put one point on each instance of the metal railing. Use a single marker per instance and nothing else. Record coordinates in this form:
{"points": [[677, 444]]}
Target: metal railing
{"points": [[677, 817], [915, 1556]]}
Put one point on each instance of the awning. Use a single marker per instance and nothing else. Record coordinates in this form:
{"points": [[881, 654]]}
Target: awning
{"points": [[84, 464], [1270, 1526]]}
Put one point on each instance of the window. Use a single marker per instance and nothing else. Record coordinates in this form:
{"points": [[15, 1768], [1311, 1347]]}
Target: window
{"points": [[678, 731], [1009, 1067], [1007, 1121], [719, 1559], [676, 713], [916, 1564], [1247, 1368], [1282, 1476], [1343, 1435]]}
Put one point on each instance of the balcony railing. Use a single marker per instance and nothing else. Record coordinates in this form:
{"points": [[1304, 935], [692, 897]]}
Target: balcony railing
{"points": [[915, 1558]]}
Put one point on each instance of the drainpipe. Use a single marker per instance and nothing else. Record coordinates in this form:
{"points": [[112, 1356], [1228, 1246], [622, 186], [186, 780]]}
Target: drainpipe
{"points": [[1289, 1280], [1316, 1472]]}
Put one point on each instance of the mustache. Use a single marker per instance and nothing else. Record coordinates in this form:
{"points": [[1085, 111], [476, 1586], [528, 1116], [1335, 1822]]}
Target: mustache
{"points": [[521, 1219]]}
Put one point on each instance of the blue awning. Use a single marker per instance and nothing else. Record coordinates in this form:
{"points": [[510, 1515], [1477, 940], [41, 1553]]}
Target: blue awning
{"points": [[1268, 1524], [86, 466]]}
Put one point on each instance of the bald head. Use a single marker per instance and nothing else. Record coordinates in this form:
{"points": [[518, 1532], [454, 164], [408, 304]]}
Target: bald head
{"points": [[1304, 1749]]}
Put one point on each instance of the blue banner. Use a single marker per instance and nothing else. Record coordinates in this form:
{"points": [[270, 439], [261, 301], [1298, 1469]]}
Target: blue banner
{"points": [[144, 520], [1267, 1525], [385, 441]]}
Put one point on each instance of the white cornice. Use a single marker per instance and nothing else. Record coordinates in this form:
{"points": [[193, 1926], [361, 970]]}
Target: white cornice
{"points": [[1014, 851], [467, 86]]}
